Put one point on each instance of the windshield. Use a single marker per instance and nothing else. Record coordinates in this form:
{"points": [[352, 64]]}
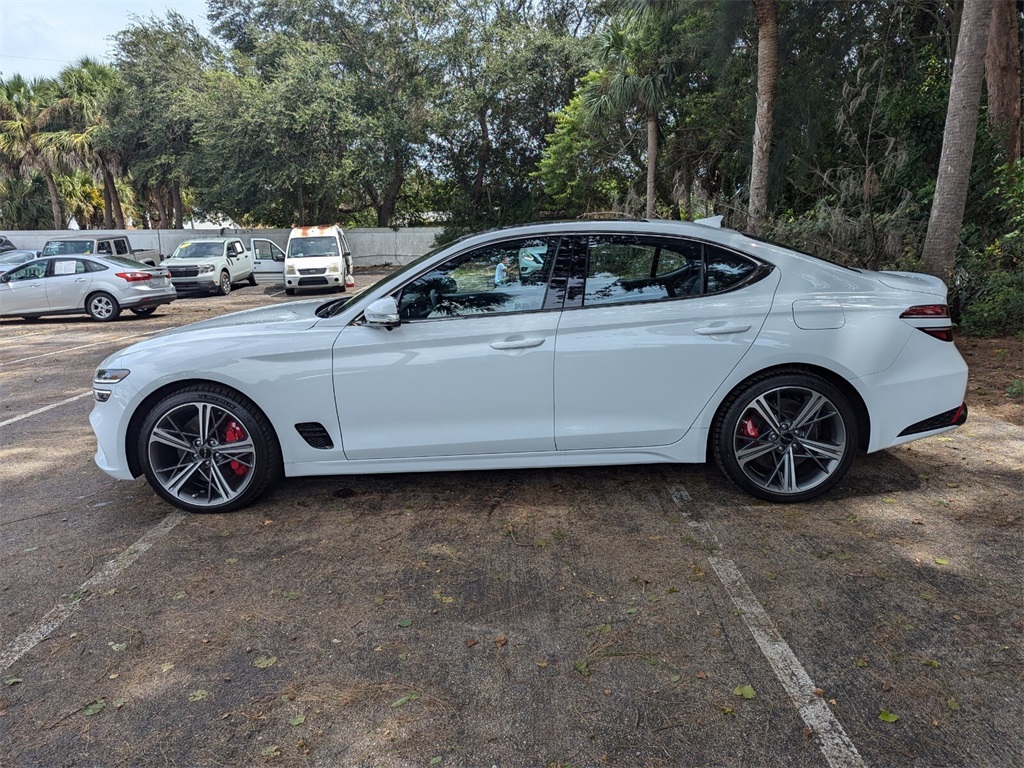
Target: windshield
{"points": [[303, 247], [17, 257], [198, 250], [63, 247]]}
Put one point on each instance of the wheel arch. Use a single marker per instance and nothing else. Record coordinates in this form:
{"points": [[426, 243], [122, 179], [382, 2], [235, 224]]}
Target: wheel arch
{"points": [[833, 378], [131, 438]]}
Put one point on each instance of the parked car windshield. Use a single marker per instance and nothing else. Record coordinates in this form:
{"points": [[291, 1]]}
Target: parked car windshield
{"points": [[197, 250], [63, 247], [302, 247]]}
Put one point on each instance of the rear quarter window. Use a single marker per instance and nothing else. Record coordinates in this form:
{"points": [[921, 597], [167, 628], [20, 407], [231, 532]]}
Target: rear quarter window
{"points": [[725, 269]]}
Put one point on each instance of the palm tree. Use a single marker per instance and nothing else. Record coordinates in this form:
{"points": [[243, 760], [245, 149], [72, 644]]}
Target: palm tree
{"points": [[25, 117], [633, 77], [767, 13], [82, 93]]}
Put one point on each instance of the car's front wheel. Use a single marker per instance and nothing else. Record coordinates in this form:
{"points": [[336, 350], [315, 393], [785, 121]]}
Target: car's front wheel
{"points": [[208, 449], [224, 286], [103, 307], [786, 436]]}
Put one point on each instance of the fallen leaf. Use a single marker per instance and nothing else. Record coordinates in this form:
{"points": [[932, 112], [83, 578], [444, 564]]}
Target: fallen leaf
{"points": [[118, 703], [500, 641], [167, 666], [12, 680], [941, 561], [405, 623], [199, 695], [297, 720], [94, 707], [471, 642], [746, 691], [727, 710], [405, 700], [953, 704], [436, 760], [264, 662], [887, 716], [930, 663], [272, 751]]}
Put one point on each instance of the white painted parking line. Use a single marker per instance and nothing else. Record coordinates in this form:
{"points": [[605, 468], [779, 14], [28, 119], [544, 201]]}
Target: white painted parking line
{"points": [[51, 621], [832, 740], [45, 408], [835, 745], [83, 346]]}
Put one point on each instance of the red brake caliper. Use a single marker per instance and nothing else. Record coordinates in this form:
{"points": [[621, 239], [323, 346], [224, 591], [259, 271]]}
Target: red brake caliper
{"points": [[233, 434], [749, 430]]}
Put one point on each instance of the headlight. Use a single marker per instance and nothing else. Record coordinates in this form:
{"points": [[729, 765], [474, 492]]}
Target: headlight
{"points": [[204, 268], [290, 269], [332, 269], [104, 378]]}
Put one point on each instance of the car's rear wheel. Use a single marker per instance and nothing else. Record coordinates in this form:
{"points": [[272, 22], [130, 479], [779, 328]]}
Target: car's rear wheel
{"points": [[787, 436], [252, 278], [208, 449], [142, 311], [224, 286], [103, 307]]}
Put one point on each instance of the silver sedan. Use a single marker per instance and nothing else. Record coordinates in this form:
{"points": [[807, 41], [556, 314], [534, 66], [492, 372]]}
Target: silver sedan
{"points": [[99, 286]]}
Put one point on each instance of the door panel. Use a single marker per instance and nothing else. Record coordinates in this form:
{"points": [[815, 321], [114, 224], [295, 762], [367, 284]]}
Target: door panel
{"points": [[25, 292], [263, 263], [630, 375], [449, 387], [68, 284]]}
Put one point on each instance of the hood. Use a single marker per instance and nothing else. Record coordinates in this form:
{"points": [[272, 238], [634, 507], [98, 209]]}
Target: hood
{"points": [[300, 313]]}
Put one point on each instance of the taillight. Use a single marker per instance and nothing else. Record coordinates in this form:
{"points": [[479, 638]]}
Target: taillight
{"points": [[931, 312], [135, 277]]}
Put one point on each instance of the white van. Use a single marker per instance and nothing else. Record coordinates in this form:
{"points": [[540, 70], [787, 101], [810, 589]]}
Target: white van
{"points": [[317, 257]]}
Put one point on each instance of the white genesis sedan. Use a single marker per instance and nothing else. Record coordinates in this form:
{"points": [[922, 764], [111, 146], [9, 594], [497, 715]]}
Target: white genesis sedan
{"points": [[632, 342]]}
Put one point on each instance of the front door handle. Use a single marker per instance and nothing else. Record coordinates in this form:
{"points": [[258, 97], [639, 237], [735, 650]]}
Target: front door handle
{"points": [[518, 344], [715, 330], [80, 280]]}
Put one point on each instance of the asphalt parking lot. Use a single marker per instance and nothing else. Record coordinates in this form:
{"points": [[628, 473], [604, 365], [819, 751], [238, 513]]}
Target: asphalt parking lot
{"points": [[629, 616]]}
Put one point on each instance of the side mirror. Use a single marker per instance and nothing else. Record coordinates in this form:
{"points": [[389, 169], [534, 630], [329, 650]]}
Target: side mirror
{"points": [[383, 313]]}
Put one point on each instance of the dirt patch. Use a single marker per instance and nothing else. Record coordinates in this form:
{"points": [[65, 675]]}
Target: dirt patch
{"points": [[995, 366]]}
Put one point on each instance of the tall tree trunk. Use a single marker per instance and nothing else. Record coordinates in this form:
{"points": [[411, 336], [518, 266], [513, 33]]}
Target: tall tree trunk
{"points": [[386, 208], [652, 161], [110, 188], [947, 212], [302, 204], [51, 187], [161, 207], [767, 14], [483, 159], [176, 206], [108, 218], [1002, 76]]}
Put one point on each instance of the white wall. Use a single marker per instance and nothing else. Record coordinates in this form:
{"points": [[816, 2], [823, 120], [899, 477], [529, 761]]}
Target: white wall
{"points": [[370, 247]]}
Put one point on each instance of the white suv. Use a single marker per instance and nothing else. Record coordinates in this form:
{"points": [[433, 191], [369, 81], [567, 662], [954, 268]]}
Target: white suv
{"points": [[211, 264]]}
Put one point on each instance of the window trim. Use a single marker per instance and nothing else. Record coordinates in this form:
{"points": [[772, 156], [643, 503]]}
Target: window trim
{"points": [[549, 290], [582, 263]]}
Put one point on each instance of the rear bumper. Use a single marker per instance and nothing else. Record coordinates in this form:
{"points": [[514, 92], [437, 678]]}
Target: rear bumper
{"points": [[952, 418]]}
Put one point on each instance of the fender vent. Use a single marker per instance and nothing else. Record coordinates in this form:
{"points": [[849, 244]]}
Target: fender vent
{"points": [[314, 433]]}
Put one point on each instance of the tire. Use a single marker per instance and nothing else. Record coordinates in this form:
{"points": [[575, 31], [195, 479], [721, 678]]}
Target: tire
{"points": [[787, 436], [289, 291], [143, 311], [236, 459], [224, 286], [252, 278], [102, 307]]}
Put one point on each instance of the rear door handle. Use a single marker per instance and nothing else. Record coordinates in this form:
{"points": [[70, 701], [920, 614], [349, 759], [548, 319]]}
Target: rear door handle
{"points": [[518, 344], [714, 330]]}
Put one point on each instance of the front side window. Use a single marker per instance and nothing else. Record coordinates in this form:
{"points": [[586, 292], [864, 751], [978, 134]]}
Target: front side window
{"points": [[33, 271], [508, 277], [631, 268]]}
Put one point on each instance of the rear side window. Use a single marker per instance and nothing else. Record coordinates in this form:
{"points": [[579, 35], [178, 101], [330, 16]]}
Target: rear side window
{"points": [[627, 268], [725, 269], [103, 246], [121, 246]]}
